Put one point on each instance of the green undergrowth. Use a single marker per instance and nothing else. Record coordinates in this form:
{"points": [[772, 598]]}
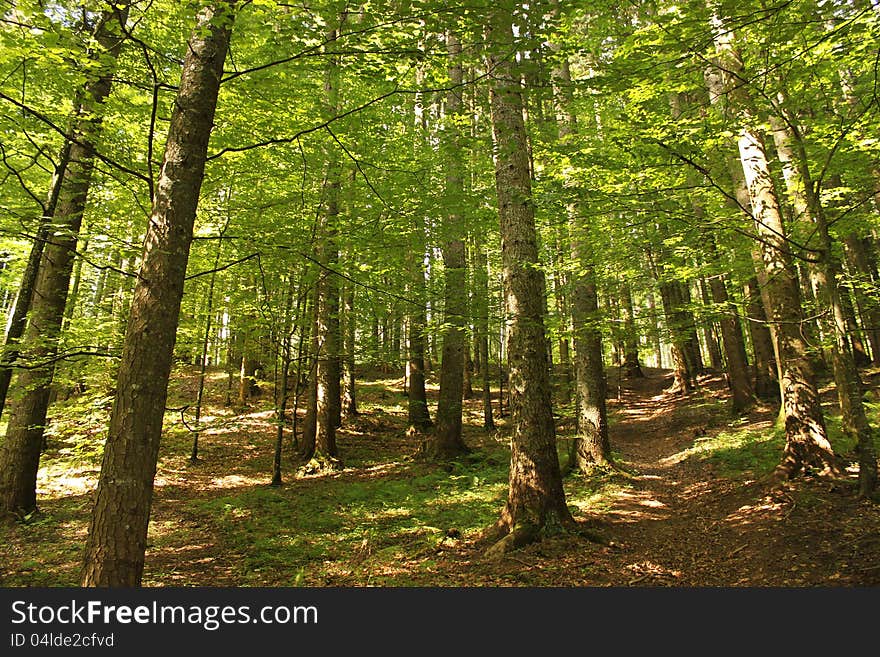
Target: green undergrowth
{"points": [[740, 452], [361, 529]]}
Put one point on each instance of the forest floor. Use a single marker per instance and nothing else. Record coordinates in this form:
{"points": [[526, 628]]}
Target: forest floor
{"points": [[690, 504]]}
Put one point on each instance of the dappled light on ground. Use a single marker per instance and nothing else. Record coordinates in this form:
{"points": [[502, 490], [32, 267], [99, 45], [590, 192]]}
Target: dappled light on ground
{"points": [[687, 506]]}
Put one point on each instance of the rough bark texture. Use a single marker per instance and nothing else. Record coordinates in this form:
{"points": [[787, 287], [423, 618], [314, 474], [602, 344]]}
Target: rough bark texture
{"points": [[825, 273], [806, 437], [114, 554], [20, 452], [536, 500], [591, 446], [447, 441]]}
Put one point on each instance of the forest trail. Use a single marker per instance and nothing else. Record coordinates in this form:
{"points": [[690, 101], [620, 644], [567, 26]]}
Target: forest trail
{"points": [[688, 507], [681, 523]]}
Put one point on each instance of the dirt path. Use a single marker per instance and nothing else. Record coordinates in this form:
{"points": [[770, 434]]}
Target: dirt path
{"points": [[674, 517], [683, 525]]}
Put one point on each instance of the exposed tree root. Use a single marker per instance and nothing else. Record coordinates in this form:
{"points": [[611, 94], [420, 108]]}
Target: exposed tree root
{"points": [[503, 539]]}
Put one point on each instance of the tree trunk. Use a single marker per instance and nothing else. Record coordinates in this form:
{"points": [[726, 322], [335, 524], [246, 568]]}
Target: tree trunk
{"points": [[590, 446], [765, 367], [806, 437], [825, 274], [114, 554], [349, 396], [709, 331], [20, 452], [536, 500], [328, 371], [732, 340], [632, 368], [481, 314], [864, 287], [447, 441]]}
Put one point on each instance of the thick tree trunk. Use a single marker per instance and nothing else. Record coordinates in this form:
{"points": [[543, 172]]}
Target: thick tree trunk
{"points": [[447, 441], [806, 437], [114, 554], [825, 274], [805, 433], [590, 446], [20, 452], [536, 500]]}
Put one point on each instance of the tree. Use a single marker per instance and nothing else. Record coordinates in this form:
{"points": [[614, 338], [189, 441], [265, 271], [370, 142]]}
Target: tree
{"points": [[448, 441], [536, 500], [20, 456], [806, 436], [114, 554]]}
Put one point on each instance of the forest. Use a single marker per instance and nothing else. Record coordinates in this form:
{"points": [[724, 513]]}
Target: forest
{"points": [[421, 293]]}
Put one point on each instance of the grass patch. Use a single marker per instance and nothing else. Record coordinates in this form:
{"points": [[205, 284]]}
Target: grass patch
{"points": [[335, 531]]}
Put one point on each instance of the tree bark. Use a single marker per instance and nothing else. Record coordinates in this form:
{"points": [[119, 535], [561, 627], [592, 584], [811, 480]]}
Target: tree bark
{"points": [[826, 274], [20, 452], [732, 340], [481, 313], [349, 390], [114, 554], [447, 441], [591, 446], [806, 436], [328, 371], [632, 368], [536, 500]]}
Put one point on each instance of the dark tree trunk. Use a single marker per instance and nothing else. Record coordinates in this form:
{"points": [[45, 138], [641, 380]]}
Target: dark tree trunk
{"points": [[481, 314], [114, 554], [684, 376], [536, 500], [20, 452], [742, 395], [765, 367], [349, 390], [447, 441], [632, 368], [709, 331]]}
